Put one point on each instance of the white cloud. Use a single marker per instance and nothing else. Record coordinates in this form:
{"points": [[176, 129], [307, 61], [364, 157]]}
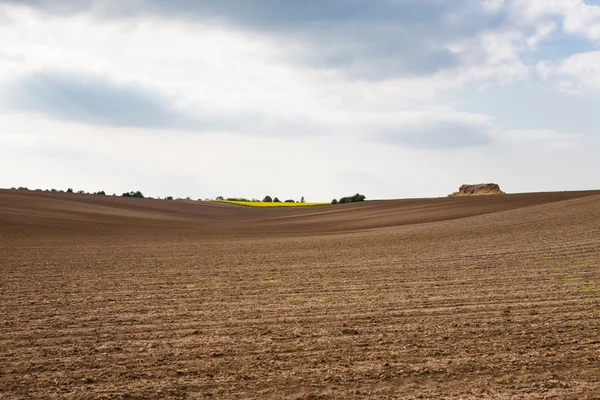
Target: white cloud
{"points": [[584, 67], [577, 16], [493, 6], [542, 31], [545, 68], [540, 139]]}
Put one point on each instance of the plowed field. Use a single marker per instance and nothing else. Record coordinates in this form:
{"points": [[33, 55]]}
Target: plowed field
{"points": [[480, 297]]}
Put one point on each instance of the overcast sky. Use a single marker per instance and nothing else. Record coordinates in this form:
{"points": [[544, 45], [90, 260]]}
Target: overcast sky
{"points": [[313, 98]]}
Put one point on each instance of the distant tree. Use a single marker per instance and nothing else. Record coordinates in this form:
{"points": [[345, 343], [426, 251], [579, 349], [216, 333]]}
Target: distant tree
{"points": [[220, 198], [69, 190], [276, 200], [101, 193], [267, 199], [13, 188], [81, 192], [358, 197], [22, 188], [289, 201], [137, 194], [334, 201], [53, 190], [352, 199], [169, 198], [302, 199]]}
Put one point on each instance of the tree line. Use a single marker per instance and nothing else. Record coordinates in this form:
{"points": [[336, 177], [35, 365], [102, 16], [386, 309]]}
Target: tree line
{"points": [[267, 199]]}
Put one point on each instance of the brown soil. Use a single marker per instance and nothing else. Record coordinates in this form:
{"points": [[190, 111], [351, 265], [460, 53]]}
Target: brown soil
{"points": [[477, 190], [470, 297]]}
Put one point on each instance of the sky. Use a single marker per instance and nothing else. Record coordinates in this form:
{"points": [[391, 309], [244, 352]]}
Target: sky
{"points": [[315, 98]]}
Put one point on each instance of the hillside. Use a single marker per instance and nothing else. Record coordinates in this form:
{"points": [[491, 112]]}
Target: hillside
{"points": [[471, 297]]}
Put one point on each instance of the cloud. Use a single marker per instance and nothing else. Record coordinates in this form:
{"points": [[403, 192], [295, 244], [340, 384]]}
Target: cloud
{"points": [[93, 100], [577, 16], [432, 130], [99, 100], [545, 68], [396, 39], [540, 139], [584, 67]]}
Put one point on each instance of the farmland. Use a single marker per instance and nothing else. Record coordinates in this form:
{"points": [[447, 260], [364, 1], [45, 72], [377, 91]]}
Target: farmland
{"points": [[473, 297], [270, 204]]}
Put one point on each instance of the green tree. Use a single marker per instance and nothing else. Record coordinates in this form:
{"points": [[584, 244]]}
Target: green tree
{"points": [[69, 190], [137, 194], [352, 199], [267, 199], [276, 200]]}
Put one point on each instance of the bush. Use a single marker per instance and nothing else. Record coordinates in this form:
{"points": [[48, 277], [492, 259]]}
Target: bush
{"points": [[334, 201], [23, 188], [137, 194], [237, 199], [69, 190], [267, 199], [169, 198], [351, 199], [276, 200], [289, 201], [101, 193], [220, 198]]}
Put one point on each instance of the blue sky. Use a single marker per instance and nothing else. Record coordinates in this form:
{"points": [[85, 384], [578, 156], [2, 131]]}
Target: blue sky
{"points": [[394, 98]]}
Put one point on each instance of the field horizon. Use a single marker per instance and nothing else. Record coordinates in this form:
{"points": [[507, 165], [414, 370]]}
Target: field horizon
{"points": [[466, 297]]}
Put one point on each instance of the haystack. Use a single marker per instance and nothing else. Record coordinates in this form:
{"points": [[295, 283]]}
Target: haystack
{"points": [[477, 190]]}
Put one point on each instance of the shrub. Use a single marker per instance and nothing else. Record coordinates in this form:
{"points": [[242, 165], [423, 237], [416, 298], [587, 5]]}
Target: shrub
{"points": [[289, 201], [276, 200], [352, 199], [137, 194], [334, 201], [267, 199], [69, 190]]}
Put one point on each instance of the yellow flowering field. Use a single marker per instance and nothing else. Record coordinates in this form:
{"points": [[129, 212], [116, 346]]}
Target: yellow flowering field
{"points": [[273, 204]]}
